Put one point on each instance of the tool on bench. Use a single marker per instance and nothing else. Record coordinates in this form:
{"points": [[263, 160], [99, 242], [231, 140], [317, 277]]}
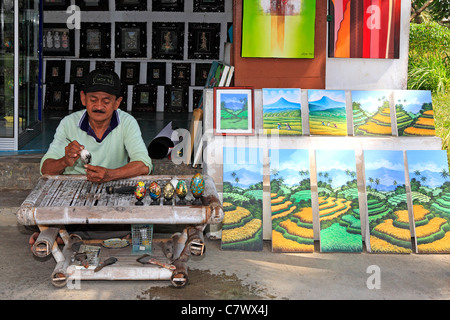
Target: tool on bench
{"points": [[120, 190], [82, 257], [146, 259], [107, 262]]}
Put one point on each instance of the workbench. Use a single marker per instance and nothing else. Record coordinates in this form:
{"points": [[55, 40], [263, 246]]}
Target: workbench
{"points": [[58, 201]]}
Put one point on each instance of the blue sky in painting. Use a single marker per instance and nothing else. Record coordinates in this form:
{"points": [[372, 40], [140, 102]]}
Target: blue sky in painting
{"points": [[385, 165], [289, 162], [414, 99], [335, 162], [369, 99], [336, 95], [245, 162], [233, 101], [430, 164], [273, 95]]}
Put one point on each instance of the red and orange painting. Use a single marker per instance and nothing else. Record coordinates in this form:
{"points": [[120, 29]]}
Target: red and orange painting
{"points": [[364, 29]]}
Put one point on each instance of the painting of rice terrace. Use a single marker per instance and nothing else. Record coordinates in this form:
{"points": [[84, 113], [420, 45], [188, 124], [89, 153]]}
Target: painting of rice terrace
{"points": [[327, 114], [242, 199], [386, 201], [282, 111], [290, 187], [430, 193], [340, 225], [414, 111], [371, 113]]}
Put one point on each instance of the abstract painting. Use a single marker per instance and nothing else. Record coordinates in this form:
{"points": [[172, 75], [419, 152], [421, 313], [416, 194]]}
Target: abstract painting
{"points": [[282, 112], [371, 113], [327, 114], [290, 191], [430, 193], [364, 29], [278, 28], [340, 225], [242, 198], [414, 111], [386, 202]]}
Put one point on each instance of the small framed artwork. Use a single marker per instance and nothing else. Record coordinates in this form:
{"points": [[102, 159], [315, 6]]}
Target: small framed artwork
{"points": [[156, 73], [233, 111], [76, 100], [59, 5], [144, 98], [209, 6], [129, 73], [131, 5], [124, 104], [168, 5], [201, 73], [95, 40], [131, 39], [105, 65], [57, 96], [55, 71], [58, 40], [93, 5], [176, 99], [79, 70], [204, 41], [168, 40], [181, 74]]}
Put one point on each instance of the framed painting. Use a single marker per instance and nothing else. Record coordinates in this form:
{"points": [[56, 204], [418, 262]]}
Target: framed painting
{"points": [[242, 199], [131, 39], [79, 70], [92, 5], [278, 29], [429, 180], [55, 71], [364, 29], [387, 208], [371, 113], [181, 74], [58, 40], [282, 112], [156, 73], [290, 193], [233, 111], [55, 5], [131, 5], [176, 99], [209, 5], [204, 41], [76, 100], [168, 5], [168, 40], [340, 224], [201, 73], [327, 112], [144, 98], [95, 40], [57, 96], [124, 104], [130, 72], [414, 112]]}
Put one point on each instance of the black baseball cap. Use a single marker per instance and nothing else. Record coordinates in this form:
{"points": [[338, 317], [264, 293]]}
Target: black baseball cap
{"points": [[102, 80]]}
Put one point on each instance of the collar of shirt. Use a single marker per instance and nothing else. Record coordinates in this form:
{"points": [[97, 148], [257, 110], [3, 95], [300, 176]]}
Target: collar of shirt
{"points": [[85, 126]]}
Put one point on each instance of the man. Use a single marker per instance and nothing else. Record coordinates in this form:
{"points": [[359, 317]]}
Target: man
{"points": [[112, 137]]}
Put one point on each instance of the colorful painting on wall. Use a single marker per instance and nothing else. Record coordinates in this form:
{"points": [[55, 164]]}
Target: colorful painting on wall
{"points": [[340, 225], [278, 28], [371, 113], [386, 201], [414, 111], [282, 112], [327, 114], [242, 199], [364, 29], [430, 193], [290, 187]]}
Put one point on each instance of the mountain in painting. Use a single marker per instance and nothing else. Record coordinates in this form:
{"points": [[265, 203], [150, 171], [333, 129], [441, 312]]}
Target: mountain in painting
{"points": [[326, 104], [280, 106]]}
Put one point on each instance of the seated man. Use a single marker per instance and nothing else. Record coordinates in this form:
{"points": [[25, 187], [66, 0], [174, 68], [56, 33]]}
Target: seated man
{"points": [[112, 137]]}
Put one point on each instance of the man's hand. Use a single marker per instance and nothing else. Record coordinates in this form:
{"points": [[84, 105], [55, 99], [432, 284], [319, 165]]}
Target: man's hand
{"points": [[72, 153], [97, 174], [57, 166]]}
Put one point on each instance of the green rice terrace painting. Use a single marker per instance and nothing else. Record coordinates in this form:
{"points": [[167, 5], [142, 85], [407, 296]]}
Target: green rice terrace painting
{"points": [[290, 187], [371, 113], [414, 111], [340, 225], [282, 111], [386, 201], [430, 193], [242, 199], [327, 114]]}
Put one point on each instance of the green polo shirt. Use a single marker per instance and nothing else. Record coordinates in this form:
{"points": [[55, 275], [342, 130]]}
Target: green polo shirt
{"points": [[121, 145]]}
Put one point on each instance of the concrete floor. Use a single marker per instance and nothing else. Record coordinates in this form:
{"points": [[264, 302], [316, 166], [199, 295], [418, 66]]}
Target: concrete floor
{"points": [[224, 275]]}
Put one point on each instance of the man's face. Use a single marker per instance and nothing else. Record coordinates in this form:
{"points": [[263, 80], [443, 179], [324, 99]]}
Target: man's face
{"points": [[100, 105]]}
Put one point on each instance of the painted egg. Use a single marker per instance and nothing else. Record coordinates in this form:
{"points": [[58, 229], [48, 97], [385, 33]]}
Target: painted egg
{"points": [[85, 156], [168, 191], [197, 185], [181, 189], [154, 190], [139, 190]]}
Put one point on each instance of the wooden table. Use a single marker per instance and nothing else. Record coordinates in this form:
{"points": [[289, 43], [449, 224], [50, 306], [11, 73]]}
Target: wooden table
{"points": [[58, 201]]}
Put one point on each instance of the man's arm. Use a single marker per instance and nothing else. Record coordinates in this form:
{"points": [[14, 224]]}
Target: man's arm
{"points": [[100, 174], [57, 166]]}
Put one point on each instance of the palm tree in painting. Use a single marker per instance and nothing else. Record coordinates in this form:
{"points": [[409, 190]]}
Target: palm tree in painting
{"points": [[444, 174], [377, 182]]}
